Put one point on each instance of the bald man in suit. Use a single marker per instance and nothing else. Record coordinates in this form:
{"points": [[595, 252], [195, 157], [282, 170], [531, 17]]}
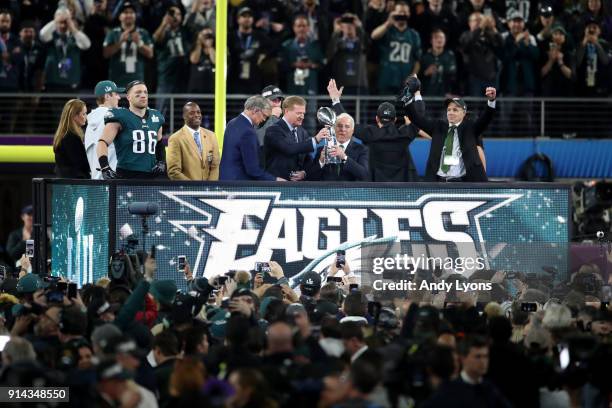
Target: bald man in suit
{"points": [[193, 152]]}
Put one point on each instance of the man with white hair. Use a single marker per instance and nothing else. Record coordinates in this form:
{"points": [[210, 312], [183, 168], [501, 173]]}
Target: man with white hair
{"points": [[354, 156], [64, 43], [16, 351], [240, 159]]}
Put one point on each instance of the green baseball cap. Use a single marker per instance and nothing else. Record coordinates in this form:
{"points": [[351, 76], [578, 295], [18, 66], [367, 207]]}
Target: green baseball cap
{"points": [[30, 283], [457, 101], [104, 87], [558, 27]]}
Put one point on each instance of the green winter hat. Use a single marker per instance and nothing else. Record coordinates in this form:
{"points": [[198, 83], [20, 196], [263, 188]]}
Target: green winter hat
{"points": [[163, 291]]}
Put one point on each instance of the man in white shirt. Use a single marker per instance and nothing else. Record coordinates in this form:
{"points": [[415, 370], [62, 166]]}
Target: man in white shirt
{"points": [[107, 96]]}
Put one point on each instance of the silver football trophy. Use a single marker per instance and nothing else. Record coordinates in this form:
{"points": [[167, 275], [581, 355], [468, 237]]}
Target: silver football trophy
{"points": [[327, 117]]}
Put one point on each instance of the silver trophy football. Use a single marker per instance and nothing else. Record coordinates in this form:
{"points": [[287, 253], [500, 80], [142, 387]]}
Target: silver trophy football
{"points": [[327, 117]]}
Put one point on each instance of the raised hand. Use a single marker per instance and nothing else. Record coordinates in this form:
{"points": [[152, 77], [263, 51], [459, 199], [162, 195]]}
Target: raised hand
{"points": [[333, 91]]}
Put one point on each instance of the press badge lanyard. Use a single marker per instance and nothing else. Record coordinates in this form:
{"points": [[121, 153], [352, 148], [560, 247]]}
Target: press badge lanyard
{"points": [[62, 46], [245, 43]]}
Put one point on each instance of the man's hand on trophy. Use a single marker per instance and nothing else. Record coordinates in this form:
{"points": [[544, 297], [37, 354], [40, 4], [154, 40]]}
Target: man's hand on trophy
{"points": [[323, 134]]}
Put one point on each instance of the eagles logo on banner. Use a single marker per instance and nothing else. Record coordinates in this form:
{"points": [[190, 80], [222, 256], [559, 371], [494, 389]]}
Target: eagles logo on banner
{"points": [[222, 227]]}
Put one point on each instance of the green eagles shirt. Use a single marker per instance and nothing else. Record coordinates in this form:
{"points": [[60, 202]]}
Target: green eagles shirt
{"points": [[136, 141], [440, 83], [63, 63], [302, 82], [172, 57], [127, 64], [399, 51]]}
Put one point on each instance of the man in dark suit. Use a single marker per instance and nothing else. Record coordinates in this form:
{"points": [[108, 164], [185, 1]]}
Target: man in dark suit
{"points": [[353, 156], [390, 159], [453, 155], [287, 144], [471, 389], [240, 159]]}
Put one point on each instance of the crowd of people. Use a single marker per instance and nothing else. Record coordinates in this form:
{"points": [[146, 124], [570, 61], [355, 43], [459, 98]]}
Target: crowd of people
{"points": [[247, 339], [521, 47]]}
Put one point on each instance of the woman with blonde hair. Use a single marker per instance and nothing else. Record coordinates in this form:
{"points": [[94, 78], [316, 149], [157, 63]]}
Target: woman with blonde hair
{"points": [[70, 156]]}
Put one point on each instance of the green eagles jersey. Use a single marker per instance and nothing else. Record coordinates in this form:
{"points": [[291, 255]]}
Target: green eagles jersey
{"points": [[127, 64], [63, 63], [172, 57], [440, 83], [136, 141], [399, 51]]}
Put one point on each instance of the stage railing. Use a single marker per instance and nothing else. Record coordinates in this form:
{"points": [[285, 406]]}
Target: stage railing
{"points": [[38, 114]]}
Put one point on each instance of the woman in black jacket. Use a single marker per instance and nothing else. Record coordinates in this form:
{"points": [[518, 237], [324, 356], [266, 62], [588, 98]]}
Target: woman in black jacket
{"points": [[70, 157]]}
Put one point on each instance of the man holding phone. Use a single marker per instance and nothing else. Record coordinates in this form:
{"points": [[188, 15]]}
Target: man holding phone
{"points": [[400, 50]]}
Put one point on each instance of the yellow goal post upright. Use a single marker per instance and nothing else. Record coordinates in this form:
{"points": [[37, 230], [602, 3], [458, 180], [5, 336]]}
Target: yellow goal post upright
{"points": [[220, 70]]}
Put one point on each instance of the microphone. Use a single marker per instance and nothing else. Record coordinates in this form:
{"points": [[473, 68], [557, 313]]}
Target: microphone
{"points": [[143, 208]]}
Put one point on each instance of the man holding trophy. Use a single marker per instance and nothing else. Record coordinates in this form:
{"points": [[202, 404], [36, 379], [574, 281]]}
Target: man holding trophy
{"points": [[341, 159]]}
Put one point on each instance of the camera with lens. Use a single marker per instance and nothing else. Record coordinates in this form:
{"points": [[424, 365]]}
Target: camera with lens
{"points": [[124, 269]]}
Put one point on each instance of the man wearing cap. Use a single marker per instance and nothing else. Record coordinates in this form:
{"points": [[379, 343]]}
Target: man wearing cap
{"points": [[247, 49], [115, 387], [107, 97], [193, 152], [310, 290], [520, 60], [547, 21], [137, 135], [287, 143], [390, 159], [558, 70], [593, 62], [453, 155], [16, 243], [127, 46], [275, 96]]}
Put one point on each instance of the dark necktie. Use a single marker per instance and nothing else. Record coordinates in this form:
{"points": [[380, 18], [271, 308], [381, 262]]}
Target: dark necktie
{"points": [[295, 136]]}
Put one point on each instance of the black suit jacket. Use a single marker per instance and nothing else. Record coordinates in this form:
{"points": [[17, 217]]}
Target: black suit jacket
{"points": [[468, 132], [282, 153], [71, 158], [355, 168], [390, 159]]}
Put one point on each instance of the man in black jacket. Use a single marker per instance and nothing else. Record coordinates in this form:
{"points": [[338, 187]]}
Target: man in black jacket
{"points": [[287, 144], [353, 156], [390, 159], [453, 155]]}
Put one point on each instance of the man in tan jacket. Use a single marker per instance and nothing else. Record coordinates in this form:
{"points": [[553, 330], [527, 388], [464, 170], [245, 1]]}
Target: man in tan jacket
{"points": [[193, 152]]}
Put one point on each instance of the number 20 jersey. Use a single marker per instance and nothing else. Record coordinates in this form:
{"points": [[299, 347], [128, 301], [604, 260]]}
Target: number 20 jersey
{"points": [[136, 141], [399, 51]]}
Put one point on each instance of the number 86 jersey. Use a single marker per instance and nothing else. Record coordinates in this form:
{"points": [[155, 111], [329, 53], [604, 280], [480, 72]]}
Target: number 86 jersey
{"points": [[136, 141]]}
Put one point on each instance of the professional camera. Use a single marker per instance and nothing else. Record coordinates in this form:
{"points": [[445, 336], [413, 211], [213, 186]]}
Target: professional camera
{"points": [[124, 269]]}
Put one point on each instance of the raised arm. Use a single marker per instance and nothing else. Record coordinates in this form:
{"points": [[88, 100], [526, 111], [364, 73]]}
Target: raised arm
{"points": [[482, 122]]}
